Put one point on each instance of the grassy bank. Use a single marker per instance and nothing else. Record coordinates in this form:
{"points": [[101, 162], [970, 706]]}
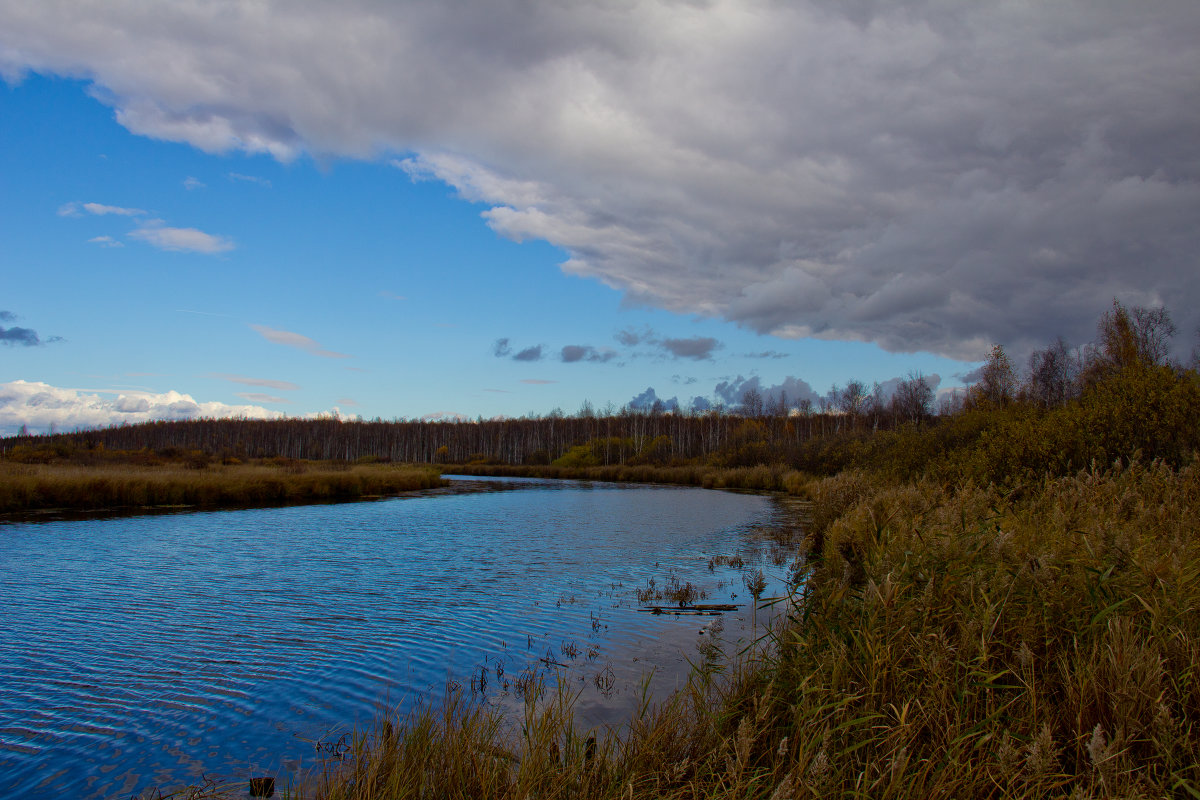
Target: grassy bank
{"points": [[761, 478], [115, 485], [968, 642]]}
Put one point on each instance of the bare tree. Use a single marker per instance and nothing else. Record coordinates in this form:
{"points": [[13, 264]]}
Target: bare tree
{"points": [[1137, 337], [1053, 375], [752, 403], [852, 399], [997, 382], [913, 399]]}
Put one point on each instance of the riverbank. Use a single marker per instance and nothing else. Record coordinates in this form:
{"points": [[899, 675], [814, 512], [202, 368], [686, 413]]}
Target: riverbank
{"points": [[761, 478], [128, 487], [950, 642]]}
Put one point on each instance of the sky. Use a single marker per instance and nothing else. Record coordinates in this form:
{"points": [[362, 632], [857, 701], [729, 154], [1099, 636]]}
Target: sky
{"points": [[486, 208]]}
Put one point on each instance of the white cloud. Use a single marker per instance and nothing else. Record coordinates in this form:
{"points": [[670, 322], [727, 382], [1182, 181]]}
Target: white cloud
{"points": [[105, 241], [74, 209], [100, 209], [923, 175], [296, 340], [237, 176], [41, 406], [185, 240], [191, 183]]}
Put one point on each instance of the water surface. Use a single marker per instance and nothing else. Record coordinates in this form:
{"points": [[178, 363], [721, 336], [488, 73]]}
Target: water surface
{"points": [[154, 651]]}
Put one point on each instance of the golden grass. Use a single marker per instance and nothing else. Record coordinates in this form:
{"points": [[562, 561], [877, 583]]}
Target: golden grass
{"points": [[30, 487]]}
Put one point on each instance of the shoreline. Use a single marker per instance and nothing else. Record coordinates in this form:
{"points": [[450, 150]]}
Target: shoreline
{"points": [[32, 491]]}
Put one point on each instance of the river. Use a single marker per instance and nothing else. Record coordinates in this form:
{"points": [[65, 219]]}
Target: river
{"points": [[150, 652]]}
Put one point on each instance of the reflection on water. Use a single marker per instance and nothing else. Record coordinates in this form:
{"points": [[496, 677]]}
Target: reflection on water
{"points": [[152, 651]]}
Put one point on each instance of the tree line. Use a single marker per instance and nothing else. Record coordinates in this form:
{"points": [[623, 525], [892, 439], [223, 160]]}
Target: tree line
{"points": [[851, 424]]}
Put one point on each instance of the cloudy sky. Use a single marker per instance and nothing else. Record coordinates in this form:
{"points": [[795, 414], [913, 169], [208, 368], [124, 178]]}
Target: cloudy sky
{"points": [[498, 207]]}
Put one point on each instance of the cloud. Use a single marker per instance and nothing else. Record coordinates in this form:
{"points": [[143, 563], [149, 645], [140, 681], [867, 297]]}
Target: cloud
{"points": [[631, 337], [529, 354], [191, 183], [105, 241], [795, 390], [537, 381], [259, 397], [73, 209], [25, 337], [573, 353], [297, 341], [41, 406], [283, 386], [646, 400], [444, 416], [237, 176], [348, 401], [501, 348], [100, 209], [697, 348], [926, 176], [183, 240]]}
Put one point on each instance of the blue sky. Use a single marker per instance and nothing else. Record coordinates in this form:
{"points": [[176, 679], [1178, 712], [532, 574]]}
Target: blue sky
{"points": [[197, 223]]}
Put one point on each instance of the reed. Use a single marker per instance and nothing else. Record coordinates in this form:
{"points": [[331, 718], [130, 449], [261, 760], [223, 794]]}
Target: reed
{"points": [[947, 643], [34, 487]]}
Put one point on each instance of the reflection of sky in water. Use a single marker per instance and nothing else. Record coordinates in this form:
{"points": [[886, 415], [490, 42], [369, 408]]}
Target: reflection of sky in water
{"points": [[151, 650]]}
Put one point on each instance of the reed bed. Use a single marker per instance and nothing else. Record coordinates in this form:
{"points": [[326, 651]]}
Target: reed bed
{"points": [[31, 487], [968, 642]]}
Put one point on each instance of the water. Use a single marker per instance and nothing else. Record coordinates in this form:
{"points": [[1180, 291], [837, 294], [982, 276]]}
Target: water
{"points": [[154, 651]]}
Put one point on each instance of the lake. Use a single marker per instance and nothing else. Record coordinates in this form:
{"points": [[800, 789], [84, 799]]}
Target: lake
{"points": [[152, 651]]}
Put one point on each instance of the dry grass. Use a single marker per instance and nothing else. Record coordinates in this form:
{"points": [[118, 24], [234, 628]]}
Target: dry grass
{"points": [[29, 487], [949, 644]]}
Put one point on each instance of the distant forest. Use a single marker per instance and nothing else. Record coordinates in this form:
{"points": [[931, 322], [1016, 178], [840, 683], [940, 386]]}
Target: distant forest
{"points": [[1088, 395]]}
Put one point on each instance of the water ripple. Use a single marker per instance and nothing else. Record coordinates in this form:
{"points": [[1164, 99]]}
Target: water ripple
{"points": [[150, 651]]}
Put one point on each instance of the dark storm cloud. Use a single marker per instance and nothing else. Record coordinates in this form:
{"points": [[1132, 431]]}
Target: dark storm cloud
{"points": [[927, 176]]}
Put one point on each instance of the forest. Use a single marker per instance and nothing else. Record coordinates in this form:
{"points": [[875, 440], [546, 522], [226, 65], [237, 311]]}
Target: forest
{"points": [[1067, 408]]}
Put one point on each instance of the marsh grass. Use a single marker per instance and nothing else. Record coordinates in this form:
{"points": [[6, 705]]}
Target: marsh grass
{"points": [[1043, 642], [947, 643], [28, 487]]}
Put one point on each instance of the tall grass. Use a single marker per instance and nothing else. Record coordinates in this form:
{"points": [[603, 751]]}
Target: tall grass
{"points": [[947, 643], [28, 487]]}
